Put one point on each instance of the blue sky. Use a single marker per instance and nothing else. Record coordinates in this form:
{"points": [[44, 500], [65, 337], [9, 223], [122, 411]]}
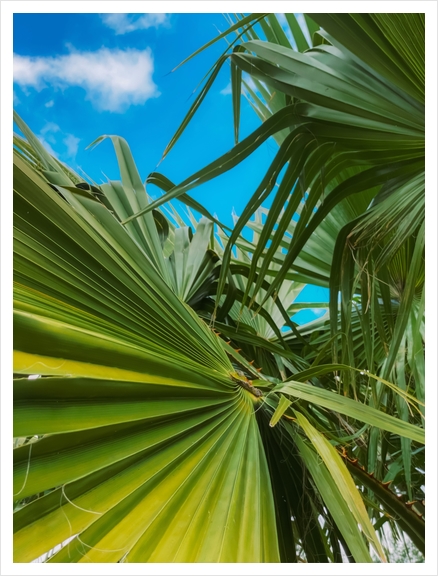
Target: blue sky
{"points": [[79, 76]]}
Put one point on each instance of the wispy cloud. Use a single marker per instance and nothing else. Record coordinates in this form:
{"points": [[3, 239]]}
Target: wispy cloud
{"points": [[47, 137], [50, 128], [227, 90], [250, 82], [49, 104], [72, 144], [112, 79], [57, 142], [247, 80], [124, 23]]}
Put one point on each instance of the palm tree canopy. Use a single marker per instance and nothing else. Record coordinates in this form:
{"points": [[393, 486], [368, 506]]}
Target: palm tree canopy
{"points": [[180, 415]]}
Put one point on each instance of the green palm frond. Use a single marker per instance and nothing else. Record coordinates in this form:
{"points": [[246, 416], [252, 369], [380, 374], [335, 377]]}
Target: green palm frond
{"points": [[143, 414], [179, 414]]}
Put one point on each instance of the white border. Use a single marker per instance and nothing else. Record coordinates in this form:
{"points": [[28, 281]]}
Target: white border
{"points": [[8, 8]]}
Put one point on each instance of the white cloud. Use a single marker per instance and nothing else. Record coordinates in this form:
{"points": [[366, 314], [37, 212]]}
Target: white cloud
{"points": [[47, 146], [49, 104], [112, 79], [227, 90], [249, 81], [50, 128], [46, 137], [71, 143], [123, 23], [52, 137]]}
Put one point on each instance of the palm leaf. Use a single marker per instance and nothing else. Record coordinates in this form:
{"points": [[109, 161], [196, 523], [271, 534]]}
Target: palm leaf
{"points": [[153, 445], [145, 428]]}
